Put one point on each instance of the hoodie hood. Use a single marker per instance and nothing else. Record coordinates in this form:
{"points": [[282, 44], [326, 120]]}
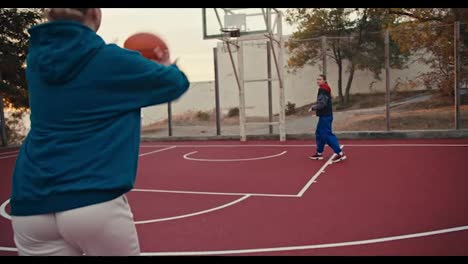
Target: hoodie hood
{"points": [[59, 50], [325, 87]]}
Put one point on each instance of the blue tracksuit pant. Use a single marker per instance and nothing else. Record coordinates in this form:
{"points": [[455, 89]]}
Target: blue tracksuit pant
{"points": [[324, 134]]}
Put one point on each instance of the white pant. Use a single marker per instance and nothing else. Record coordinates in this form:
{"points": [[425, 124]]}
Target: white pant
{"points": [[103, 229]]}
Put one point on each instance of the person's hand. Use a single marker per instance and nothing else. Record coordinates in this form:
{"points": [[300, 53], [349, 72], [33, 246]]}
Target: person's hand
{"points": [[163, 56]]}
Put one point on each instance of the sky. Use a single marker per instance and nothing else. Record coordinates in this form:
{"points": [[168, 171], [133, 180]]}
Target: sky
{"points": [[181, 28]]}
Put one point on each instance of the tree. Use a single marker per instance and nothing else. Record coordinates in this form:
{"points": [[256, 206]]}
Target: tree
{"points": [[431, 30], [361, 43], [14, 39], [313, 23]]}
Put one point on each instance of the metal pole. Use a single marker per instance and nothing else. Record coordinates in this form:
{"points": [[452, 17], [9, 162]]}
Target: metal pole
{"points": [[169, 118], [270, 95], [240, 65], [228, 43], [324, 55], [387, 78], [456, 84], [216, 84], [240, 84], [280, 68]]}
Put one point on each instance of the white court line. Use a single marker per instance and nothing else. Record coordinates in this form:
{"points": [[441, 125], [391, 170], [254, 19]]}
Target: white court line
{"points": [[305, 247], [9, 152], [159, 150], [317, 174], [3, 210], [216, 193], [193, 214], [329, 245], [186, 156], [311, 145], [11, 156], [141, 155], [407, 145], [305, 145], [293, 247], [4, 214], [3, 206], [11, 249]]}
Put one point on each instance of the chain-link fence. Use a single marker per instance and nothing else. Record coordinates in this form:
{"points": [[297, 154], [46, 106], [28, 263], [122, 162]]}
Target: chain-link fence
{"points": [[401, 81], [404, 82], [430, 101]]}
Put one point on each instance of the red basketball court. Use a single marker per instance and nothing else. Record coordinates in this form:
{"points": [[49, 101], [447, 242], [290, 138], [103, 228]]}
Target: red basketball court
{"points": [[390, 197]]}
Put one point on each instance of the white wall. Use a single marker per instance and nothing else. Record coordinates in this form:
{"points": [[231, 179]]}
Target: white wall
{"points": [[300, 88]]}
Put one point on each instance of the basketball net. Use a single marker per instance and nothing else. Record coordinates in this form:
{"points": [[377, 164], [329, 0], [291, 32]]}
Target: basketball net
{"points": [[230, 37]]}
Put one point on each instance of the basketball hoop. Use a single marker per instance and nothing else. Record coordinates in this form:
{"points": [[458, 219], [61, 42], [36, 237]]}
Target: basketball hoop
{"points": [[230, 36], [231, 32]]}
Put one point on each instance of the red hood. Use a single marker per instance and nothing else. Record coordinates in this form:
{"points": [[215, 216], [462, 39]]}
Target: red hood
{"points": [[325, 87]]}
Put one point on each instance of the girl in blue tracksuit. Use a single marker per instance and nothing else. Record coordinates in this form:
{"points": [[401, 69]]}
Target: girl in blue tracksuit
{"points": [[323, 133], [80, 156]]}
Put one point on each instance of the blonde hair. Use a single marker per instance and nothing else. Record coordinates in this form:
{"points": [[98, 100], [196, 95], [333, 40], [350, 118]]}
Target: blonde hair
{"points": [[76, 14]]}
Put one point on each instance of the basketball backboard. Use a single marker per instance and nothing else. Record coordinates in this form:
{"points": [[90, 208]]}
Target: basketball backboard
{"points": [[250, 21]]}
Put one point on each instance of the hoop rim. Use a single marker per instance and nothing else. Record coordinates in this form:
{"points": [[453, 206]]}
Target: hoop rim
{"points": [[229, 29]]}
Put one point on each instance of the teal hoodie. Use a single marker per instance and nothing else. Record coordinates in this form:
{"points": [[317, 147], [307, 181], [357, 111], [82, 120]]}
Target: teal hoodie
{"points": [[85, 100]]}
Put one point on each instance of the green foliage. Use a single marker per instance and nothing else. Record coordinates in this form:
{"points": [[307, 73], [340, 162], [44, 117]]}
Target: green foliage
{"points": [[424, 32], [14, 41], [233, 112], [361, 42], [431, 30], [290, 108], [14, 127], [203, 116]]}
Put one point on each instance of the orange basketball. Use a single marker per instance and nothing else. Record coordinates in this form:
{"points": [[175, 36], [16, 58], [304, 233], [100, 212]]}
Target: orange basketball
{"points": [[145, 43]]}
